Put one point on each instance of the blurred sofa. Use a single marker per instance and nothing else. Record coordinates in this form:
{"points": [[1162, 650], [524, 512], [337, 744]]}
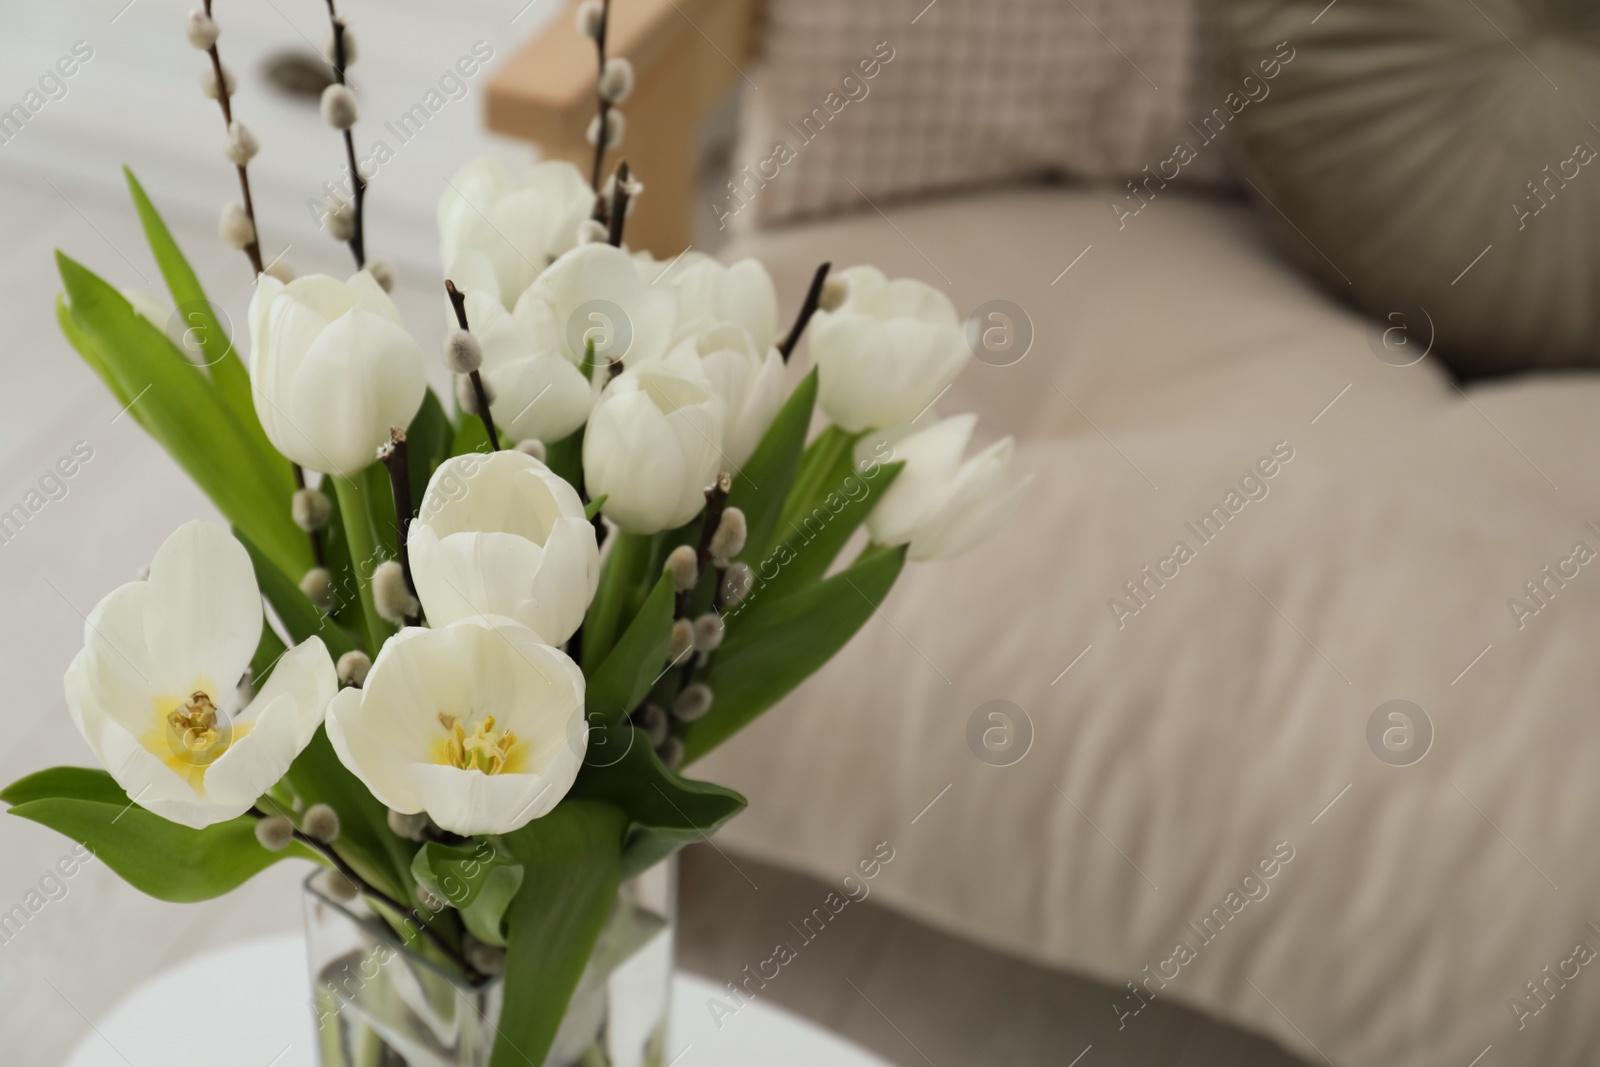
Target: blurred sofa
{"points": [[1256, 526]]}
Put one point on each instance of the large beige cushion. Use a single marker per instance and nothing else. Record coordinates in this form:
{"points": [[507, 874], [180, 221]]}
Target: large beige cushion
{"points": [[1186, 742]]}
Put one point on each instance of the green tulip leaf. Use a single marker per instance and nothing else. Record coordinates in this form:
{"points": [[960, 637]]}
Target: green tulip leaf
{"points": [[294, 609], [766, 654], [762, 485], [479, 882], [637, 659], [160, 858], [428, 442]]}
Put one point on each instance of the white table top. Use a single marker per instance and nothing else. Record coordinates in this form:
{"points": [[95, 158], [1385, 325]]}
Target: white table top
{"points": [[255, 1015]]}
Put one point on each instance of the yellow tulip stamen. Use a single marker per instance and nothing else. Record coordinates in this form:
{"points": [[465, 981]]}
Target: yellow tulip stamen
{"points": [[194, 722], [484, 749]]}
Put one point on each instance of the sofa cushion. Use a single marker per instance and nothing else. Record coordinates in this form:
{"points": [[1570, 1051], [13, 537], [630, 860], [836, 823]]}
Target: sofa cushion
{"points": [[1231, 718], [1439, 155]]}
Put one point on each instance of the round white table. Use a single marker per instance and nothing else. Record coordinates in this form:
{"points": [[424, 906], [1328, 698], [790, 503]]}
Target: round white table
{"points": [[245, 1005]]}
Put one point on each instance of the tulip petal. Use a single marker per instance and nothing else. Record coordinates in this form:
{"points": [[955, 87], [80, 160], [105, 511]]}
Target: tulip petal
{"points": [[361, 377], [203, 614]]}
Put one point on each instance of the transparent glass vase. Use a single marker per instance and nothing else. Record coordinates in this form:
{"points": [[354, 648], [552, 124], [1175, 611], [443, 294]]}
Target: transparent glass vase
{"points": [[377, 1003]]}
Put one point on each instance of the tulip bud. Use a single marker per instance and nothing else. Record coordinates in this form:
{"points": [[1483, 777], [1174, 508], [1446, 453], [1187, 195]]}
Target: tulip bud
{"points": [[616, 80], [235, 227], [737, 581], [462, 353], [671, 753], [339, 106], [382, 272], [653, 719], [616, 125], [835, 290], [340, 219], [280, 270], [275, 832], [683, 567], [681, 642], [321, 823], [203, 30], [311, 509], [532, 446], [338, 886], [352, 667], [390, 595], [208, 82], [317, 585], [692, 703], [591, 14], [591, 232], [708, 631], [242, 144], [410, 827], [467, 396], [728, 541]]}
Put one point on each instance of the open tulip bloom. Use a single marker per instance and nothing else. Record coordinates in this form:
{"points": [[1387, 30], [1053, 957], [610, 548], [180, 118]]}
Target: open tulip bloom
{"points": [[499, 593]]}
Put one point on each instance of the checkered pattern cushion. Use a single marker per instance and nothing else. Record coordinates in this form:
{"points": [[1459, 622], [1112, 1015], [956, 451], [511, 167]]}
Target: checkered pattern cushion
{"points": [[966, 93]]}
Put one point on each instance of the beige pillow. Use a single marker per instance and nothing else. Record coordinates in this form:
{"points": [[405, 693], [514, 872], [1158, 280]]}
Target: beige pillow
{"points": [[860, 100], [1435, 162]]}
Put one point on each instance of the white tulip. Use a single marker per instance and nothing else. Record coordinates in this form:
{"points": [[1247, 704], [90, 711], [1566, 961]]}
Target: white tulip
{"points": [[503, 535], [654, 444], [939, 504], [747, 378], [539, 391], [887, 352], [710, 294], [597, 292], [517, 226], [154, 690], [332, 369], [480, 724]]}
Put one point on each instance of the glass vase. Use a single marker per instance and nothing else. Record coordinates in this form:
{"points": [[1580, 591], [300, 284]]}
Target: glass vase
{"points": [[377, 1003]]}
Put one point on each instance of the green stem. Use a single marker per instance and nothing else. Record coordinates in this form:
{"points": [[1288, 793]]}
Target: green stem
{"points": [[363, 552], [811, 480], [624, 567]]}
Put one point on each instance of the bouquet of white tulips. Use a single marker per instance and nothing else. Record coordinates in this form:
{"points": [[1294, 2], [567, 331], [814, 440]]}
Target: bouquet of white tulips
{"points": [[486, 643]]}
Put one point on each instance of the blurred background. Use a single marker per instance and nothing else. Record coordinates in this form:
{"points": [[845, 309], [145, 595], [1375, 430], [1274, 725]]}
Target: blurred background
{"points": [[1306, 288]]}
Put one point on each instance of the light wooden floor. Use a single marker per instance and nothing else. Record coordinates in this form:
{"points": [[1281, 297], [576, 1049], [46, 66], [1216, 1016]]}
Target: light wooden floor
{"points": [[921, 998]]}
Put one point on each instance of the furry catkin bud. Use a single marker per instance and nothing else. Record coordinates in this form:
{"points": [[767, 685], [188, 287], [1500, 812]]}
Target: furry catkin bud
{"points": [[835, 290], [339, 106], [426, 898], [467, 396], [275, 832], [208, 82], [338, 886], [616, 80], [616, 126], [390, 595], [234, 227], [591, 13], [317, 585], [737, 581], [591, 232], [486, 958], [683, 567], [311, 509], [462, 353], [202, 29], [382, 272], [340, 219], [681, 642], [693, 702], [532, 446], [242, 144], [349, 45], [280, 269], [671, 753], [653, 719], [728, 541], [321, 823], [708, 632], [410, 827], [352, 668]]}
